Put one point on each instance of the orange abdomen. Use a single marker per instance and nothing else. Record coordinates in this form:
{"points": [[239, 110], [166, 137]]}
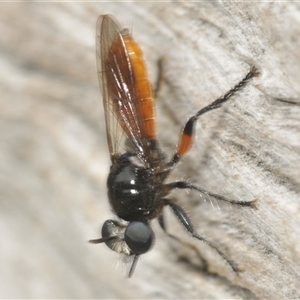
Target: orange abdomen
{"points": [[145, 103]]}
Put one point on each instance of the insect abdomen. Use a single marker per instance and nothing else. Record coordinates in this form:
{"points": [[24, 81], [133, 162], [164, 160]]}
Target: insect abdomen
{"points": [[143, 87]]}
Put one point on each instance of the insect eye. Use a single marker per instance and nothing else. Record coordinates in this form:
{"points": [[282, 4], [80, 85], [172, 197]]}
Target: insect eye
{"points": [[111, 232], [110, 228], [139, 237]]}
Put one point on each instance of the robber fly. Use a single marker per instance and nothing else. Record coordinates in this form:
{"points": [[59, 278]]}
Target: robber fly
{"points": [[137, 191]]}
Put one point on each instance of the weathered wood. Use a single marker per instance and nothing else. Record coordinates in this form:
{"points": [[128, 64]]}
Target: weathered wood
{"points": [[54, 159]]}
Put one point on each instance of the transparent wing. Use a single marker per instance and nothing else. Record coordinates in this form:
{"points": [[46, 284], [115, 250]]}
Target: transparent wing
{"points": [[124, 123]]}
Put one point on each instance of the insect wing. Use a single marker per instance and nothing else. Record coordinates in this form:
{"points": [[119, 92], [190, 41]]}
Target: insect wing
{"points": [[117, 85]]}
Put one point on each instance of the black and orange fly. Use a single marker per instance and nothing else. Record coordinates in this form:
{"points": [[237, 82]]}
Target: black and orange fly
{"points": [[137, 191]]}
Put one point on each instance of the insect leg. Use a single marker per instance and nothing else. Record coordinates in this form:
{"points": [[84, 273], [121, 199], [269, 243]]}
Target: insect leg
{"points": [[161, 221], [160, 78], [187, 185], [186, 222], [188, 133]]}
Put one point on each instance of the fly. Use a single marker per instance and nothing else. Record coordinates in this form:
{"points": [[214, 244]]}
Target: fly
{"points": [[137, 191]]}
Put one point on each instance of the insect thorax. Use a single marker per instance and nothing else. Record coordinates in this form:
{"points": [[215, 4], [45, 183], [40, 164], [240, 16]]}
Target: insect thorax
{"points": [[133, 190]]}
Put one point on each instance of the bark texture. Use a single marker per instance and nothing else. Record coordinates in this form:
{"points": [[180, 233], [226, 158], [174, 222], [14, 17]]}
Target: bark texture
{"points": [[54, 160]]}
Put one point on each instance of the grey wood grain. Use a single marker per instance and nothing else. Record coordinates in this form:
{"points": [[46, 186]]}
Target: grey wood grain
{"points": [[54, 160]]}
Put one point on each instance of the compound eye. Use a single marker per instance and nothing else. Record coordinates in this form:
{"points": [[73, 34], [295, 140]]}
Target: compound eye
{"points": [[108, 228], [111, 233], [139, 237]]}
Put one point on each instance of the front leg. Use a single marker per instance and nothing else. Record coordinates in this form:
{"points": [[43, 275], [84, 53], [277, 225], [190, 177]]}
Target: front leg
{"points": [[186, 222], [162, 223]]}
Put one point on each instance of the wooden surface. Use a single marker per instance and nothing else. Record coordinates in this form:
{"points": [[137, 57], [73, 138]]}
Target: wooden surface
{"points": [[54, 160]]}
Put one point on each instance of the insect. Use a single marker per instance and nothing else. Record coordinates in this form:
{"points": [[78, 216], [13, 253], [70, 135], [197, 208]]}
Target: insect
{"points": [[137, 191]]}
